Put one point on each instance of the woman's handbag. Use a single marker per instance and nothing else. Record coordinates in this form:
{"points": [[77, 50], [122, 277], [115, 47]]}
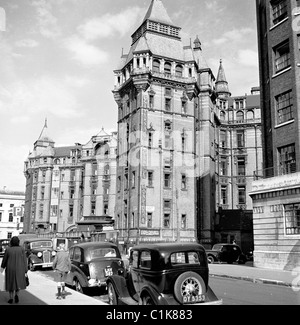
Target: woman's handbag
{"points": [[27, 279]]}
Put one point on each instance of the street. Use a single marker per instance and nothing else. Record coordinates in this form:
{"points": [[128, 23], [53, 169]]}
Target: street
{"points": [[232, 291]]}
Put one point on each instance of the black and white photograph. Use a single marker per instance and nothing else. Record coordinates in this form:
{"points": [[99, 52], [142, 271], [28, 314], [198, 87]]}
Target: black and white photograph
{"points": [[149, 156]]}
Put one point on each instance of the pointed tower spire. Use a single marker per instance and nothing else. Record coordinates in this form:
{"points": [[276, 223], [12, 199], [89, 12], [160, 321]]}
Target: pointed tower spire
{"points": [[197, 44], [157, 12], [221, 83]]}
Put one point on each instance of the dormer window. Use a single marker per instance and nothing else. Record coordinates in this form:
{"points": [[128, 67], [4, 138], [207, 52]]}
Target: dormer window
{"points": [[167, 68], [156, 66], [179, 70]]}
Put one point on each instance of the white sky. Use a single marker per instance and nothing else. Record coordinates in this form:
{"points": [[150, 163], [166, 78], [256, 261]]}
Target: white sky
{"points": [[57, 59]]}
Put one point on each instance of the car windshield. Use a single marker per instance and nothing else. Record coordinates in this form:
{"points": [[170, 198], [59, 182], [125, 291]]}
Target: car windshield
{"points": [[41, 244], [102, 252], [217, 247]]}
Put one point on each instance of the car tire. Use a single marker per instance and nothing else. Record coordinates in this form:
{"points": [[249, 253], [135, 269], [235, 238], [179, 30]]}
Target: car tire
{"points": [[31, 266], [210, 259], [77, 285], [112, 295], [187, 282]]}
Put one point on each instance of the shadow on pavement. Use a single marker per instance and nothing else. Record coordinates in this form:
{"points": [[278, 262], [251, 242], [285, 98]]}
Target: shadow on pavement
{"points": [[25, 297]]}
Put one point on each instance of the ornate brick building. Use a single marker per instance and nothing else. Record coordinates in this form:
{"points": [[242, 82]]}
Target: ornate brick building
{"points": [[166, 129]]}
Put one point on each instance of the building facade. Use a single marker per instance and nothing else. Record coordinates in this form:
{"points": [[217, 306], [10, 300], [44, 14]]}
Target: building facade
{"points": [[167, 122], [12, 206], [275, 192], [239, 155], [66, 184]]}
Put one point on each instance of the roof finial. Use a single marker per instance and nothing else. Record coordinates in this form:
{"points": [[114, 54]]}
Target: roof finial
{"points": [[45, 126]]}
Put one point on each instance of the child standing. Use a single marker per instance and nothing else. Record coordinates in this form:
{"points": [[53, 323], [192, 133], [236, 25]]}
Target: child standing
{"points": [[61, 265]]}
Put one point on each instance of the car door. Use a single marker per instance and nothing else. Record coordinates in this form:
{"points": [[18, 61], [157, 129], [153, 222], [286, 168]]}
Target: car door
{"points": [[134, 270]]}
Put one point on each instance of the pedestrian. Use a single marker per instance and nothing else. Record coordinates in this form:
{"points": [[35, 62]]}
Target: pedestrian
{"points": [[15, 264], [62, 266]]}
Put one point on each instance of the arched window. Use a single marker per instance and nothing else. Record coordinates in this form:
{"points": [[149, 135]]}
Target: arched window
{"points": [[178, 70], [240, 116], [250, 115], [156, 66], [222, 116], [167, 67]]}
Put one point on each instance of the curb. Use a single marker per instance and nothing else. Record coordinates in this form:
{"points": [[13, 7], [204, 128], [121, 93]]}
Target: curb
{"points": [[255, 280]]}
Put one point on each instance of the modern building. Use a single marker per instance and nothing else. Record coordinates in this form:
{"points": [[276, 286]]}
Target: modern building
{"points": [[11, 213], [275, 192], [167, 121], [239, 155], [64, 185]]}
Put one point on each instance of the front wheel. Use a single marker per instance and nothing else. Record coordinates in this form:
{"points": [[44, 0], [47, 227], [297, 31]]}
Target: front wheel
{"points": [[77, 285], [31, 266], [112, 295], [210, 259]]}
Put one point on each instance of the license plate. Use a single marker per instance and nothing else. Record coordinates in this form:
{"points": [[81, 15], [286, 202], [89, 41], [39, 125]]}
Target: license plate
{"points": [[108, 271], [193, 299]]}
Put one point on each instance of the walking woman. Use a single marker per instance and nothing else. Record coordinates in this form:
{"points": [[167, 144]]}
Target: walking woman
{"points": [[15, 264]]}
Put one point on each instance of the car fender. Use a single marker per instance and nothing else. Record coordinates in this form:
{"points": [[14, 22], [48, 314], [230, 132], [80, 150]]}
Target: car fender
{"points": [[34, 259], [156, 296], [120, 286], [78, 274]]}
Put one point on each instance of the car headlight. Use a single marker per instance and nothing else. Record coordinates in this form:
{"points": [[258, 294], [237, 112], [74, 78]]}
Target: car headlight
{"points": [[53, 253], [39, 254], [92, 281]]}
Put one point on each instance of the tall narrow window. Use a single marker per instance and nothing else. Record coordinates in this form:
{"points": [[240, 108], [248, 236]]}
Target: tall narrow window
{"points": [[168, 104], [284, 107], [179, 70], [282, 57], [242, 195], [223, 195], [183, 221], [166, 220], [287, 159], [223, 139], [150, 139], [240, 137], [241, 166], [167, 180], [149, 219], [223, 166], [279, 10], [150, 178], [167, 68], [156, 66], [183, 182]]}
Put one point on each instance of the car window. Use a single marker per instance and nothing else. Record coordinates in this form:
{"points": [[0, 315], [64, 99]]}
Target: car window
{"points": [[41, 244], [77, 254], [185, 258], [71, 252], [102, 252], [145, 262], [134, 258]]}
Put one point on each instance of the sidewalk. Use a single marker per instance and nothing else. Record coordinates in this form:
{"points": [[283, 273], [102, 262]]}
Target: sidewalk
{"points": [[254, 274], [42, 291]]}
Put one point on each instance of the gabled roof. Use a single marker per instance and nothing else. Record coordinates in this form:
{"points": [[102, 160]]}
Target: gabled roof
{"points": [[157, 12]]}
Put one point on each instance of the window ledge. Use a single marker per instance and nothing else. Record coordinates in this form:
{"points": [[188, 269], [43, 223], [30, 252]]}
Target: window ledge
{"points": [[281, 72], [284, 124], [281, 22]]}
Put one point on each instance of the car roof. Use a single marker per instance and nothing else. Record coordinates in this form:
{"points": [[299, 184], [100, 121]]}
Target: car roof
{"points": [[37, 239], [170, 247], [95, 243]]}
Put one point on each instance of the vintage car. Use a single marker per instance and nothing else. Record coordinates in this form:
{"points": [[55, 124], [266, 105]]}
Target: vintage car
{"points": [[228, 253], [3, 244], [163, 274], [92, 263], [39, 252]]}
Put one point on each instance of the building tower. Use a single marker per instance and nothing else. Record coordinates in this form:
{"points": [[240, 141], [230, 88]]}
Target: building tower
{"points": [[239, 155], [275, 193], [165, 172], [67, 184]]}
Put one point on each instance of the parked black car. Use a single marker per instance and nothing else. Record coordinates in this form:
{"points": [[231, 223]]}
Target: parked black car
{"points": [[228, 253], [3, 244], [163, 274], [92, 263], [39, 252]]}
